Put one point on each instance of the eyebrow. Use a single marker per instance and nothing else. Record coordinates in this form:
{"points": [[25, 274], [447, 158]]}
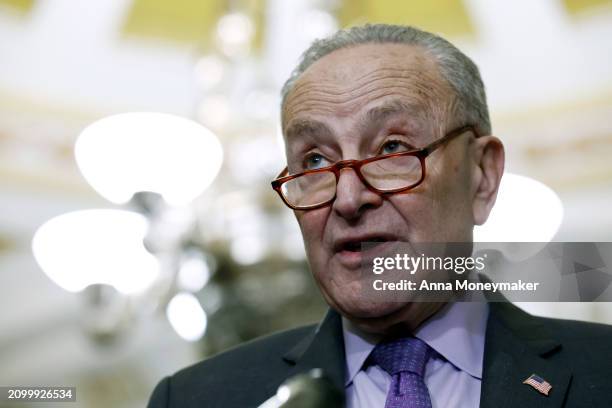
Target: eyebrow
{"points": [[301, 127], [381, 113]]}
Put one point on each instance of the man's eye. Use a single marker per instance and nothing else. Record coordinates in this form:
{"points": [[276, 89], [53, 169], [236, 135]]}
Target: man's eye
{"points": [[315, 161], [394, 146]]}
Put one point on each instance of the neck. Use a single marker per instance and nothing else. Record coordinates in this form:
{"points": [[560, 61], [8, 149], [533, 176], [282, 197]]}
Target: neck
{"points": [[402, 322]]}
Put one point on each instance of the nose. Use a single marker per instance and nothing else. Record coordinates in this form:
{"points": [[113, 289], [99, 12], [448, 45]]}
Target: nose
{"points": [[353, 197]]}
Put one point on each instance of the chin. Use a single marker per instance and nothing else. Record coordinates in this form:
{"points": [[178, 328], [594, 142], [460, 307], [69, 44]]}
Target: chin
{"points": [[360, 309]]}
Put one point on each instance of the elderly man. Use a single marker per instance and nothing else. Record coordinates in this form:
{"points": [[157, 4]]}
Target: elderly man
{"points": [[388, 140]]}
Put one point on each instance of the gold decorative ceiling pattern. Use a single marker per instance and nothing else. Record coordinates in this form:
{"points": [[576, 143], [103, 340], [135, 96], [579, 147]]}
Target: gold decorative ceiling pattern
{"points": [[22, 6], [445, 17], [189, 21], [581, 6]]}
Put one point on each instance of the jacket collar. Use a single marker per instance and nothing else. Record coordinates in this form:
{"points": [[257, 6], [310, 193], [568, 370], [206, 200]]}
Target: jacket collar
{"points": [[322, 348], [518, 345]]}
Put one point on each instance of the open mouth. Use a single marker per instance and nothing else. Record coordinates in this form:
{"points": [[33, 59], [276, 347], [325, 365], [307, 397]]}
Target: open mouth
{"points": [[359, 245]]}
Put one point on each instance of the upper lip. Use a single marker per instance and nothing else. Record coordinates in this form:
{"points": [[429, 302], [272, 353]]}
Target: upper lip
{"points": [[341, 243]]}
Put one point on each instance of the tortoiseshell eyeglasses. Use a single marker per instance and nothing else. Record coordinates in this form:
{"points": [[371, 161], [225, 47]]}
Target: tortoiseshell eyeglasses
{"points": [[387, 174]]}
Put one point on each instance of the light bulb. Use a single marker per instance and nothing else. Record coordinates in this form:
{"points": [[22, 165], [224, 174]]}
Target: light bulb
{"points": [[186, 316]]}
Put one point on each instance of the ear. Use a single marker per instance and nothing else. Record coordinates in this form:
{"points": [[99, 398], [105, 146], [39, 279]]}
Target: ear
{"points": [[489, 157]]}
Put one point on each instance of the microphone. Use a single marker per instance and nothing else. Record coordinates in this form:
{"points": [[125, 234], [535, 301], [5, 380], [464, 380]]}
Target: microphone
{"points": [[308, 390]]}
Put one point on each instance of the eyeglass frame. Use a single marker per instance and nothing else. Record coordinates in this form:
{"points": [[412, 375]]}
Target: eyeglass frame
{"points": [[356, 165]]}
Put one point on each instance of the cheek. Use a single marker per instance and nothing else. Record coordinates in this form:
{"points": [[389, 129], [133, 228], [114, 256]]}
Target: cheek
{"points": [[451, 213], [435, 210], [416, 211], [456, 188], [312, 224]]}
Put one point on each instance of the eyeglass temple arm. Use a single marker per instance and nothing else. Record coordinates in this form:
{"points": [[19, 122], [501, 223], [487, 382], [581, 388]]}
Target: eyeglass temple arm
{"points": [[458, 132]]}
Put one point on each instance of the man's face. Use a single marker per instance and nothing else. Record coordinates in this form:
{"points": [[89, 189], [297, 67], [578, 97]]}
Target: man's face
{"points": [[361, 102]]}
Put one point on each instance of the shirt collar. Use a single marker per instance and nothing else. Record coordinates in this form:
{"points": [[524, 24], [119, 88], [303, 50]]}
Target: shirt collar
{"points": [[357, 347], [457, 333]]}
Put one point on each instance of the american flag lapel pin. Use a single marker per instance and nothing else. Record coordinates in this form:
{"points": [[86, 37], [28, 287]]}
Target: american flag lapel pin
{"points": [[540, 384]]}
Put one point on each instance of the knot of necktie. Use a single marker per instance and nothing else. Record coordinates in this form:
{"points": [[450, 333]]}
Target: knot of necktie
{"points": [[404, 360], [407, 354]]}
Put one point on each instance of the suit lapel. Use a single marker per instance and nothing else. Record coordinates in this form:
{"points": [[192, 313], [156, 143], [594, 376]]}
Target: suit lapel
{"points": [[324, 348], [516, 346]]}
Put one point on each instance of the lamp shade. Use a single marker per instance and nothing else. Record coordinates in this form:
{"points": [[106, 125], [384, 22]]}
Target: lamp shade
{"points": [[145, 151], [526, 210], [90, 247]]}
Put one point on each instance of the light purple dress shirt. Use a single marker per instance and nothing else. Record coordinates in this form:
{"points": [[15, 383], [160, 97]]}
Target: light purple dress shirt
{"points": [[453, 374]]}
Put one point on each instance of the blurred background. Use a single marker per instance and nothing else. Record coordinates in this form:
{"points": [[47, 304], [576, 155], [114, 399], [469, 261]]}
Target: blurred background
{"points": [[229, 264]]}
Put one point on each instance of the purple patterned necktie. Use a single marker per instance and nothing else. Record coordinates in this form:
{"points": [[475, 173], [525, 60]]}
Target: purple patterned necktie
{"points": [[404, 359]]}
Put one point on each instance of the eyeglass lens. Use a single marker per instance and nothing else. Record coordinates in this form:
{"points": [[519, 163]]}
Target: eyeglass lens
{"points": [[392, 173]]}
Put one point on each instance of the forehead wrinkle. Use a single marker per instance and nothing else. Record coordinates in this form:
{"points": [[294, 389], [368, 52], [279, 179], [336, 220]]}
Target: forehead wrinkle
{"points": [[326, 97], [342, 83], [413, 104], [411, 77], [322, 100], [358, 62], [385, 72]]}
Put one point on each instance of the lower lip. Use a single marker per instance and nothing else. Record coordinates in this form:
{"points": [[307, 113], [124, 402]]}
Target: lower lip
{"points": [[356, 259]]}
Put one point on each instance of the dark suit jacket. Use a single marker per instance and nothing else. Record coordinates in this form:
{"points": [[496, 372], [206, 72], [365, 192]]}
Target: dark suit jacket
{"points": [[574, 357]]}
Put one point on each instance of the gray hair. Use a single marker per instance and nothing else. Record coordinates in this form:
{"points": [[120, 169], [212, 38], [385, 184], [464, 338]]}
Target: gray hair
{"points": [[455, 67]]}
